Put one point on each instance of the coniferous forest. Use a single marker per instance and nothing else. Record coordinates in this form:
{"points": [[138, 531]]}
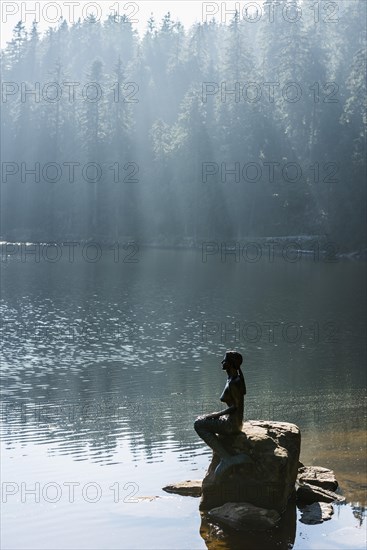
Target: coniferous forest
{"points": [[218, 131]]}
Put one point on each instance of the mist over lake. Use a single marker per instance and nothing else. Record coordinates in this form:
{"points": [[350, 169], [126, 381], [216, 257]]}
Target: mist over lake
{"points": [[168, 195]]}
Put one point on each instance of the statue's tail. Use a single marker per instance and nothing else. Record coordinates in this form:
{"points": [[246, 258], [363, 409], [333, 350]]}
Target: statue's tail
{"points": [[227, 463]]}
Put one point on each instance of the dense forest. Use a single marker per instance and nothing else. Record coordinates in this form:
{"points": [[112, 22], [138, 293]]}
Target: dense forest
{"points": [[223, 131]]}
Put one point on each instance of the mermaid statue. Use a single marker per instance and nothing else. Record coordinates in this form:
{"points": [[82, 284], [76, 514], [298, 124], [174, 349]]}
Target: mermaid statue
{"points": [[228, 421]]}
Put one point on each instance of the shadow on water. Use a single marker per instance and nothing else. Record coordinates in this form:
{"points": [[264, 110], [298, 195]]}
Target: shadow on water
{"points": [[281, 537]]}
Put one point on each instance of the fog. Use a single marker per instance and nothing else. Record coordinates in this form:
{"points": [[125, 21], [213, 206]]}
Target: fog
{"points": [[180, 135]]}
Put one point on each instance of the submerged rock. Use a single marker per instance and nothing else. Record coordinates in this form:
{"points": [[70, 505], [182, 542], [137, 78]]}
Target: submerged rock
{"points": [[190, 488], [307, 494], [316, 475], [318, 512], [269, 480], [244, 516]]}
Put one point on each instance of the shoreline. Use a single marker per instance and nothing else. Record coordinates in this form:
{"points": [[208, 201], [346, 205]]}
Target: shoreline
{"points": [[251, 249]]}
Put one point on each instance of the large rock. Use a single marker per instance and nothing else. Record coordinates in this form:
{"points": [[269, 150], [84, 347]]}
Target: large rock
{"points": [[270, 480], [308, 494], [244, 516], [316, 475]]}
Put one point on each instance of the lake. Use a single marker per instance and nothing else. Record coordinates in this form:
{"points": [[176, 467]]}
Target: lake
{"points": [[106, 362]]}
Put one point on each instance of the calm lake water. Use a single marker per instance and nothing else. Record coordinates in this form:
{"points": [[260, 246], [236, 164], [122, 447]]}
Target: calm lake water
{"points": [[105, 366]]}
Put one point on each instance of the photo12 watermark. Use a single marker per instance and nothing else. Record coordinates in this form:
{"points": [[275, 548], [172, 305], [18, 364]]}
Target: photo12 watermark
{"points": [[69, 171], [68, 491], [69, 11], [69, 91], [51, 412], [270, 92], [270, 332], [251, 11], [270, 250], [270, 171], [70, 251]]}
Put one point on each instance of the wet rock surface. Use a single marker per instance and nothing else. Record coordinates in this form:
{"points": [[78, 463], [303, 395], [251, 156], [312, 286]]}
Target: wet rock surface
{"points": [[253, 496], [308, 494], [191, 487], [316, 475], [269, 480], [244, 516]]}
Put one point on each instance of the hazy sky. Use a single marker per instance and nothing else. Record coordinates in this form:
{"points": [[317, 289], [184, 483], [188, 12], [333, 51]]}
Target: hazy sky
{"points": [[48, 11]]}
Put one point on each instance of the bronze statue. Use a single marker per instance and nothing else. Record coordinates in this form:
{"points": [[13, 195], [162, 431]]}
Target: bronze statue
{"points": [[229, 421]]}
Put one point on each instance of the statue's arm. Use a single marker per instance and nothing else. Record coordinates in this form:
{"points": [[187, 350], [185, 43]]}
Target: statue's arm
{"points": [[229, 410]]}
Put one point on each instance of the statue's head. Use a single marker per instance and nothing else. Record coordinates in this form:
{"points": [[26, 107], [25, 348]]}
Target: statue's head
{"points": [[232, 358]]}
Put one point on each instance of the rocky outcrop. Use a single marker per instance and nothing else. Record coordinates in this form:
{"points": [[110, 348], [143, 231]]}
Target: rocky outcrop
{"points": [[269, 480], [308, 494], [243, 516], [253, 496], [315, 475]]}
